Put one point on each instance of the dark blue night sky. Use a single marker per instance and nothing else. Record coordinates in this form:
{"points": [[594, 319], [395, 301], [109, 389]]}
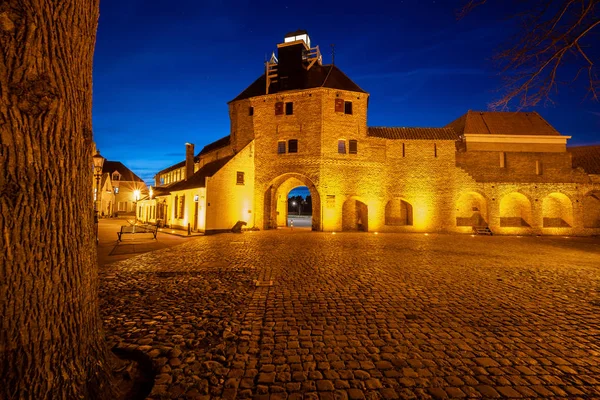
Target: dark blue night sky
{"points": [[164, 71]]}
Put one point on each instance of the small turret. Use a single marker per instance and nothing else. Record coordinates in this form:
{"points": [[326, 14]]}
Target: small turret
{"points": [[295, 57]]}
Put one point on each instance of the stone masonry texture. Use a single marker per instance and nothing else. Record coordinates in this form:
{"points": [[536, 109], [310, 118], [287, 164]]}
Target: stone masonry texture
{"points": [[362, 316]]}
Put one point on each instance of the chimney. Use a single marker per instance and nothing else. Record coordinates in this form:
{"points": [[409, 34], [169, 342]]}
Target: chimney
{"points": [[189, 160]]}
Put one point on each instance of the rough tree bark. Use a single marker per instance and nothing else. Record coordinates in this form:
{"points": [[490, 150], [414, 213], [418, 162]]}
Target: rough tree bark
{"points": [[51, 344]]}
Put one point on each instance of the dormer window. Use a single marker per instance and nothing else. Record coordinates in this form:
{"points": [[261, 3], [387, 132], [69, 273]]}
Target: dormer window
{"points": [[116, 176]]}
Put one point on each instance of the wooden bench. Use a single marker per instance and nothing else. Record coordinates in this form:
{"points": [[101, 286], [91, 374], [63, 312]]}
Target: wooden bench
{"points": [[137, 229]]}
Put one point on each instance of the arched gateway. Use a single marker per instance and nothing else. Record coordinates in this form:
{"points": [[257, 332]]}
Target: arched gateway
{"points": [[276, 195]]}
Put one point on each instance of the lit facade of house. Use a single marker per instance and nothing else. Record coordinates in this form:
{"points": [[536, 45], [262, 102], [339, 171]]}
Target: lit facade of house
{"points": [[303, 123], [119, 190]]}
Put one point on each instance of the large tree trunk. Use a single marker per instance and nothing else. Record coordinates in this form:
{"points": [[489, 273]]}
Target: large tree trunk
{"points": [[51, 344]]}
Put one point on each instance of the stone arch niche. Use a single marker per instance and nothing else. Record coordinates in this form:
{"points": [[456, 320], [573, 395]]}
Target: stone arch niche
{"points": [[355, 215], [557, 211], [471, 210], [275, 211], [515, 211], [591, 210], [398, 212]]}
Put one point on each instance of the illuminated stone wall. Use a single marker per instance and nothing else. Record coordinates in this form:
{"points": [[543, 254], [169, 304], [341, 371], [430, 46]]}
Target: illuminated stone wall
{"points": [[425, 185], [229, 200]]}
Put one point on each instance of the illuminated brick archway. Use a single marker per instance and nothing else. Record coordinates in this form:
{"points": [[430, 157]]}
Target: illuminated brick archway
{"points": [[515, 210], [591, 210], [275, 211], [471, 210], [398, 212], [557, 211], [355, 215]]}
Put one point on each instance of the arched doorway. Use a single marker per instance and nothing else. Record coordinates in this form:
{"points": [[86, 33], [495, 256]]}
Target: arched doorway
{"points": [[515, 210], [355, 215], [276, 205], [398, 212], [471, 210], [557, 211], [299, 207], [591, 210]]}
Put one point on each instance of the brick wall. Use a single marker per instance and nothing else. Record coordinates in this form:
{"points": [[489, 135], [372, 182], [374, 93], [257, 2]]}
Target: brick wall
{"points": [[442, 189]]}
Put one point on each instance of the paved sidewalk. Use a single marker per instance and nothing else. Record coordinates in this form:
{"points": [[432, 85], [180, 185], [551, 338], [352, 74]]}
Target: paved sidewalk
{"points": [[357, 315], [109, 250]]}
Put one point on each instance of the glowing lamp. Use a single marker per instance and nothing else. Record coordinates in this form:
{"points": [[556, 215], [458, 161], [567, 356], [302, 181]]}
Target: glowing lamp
{"points": [[136, 194], [98, 163]]}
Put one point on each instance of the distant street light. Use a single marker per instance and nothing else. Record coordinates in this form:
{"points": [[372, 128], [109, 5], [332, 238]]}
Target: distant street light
{"points": [[98, 163]]}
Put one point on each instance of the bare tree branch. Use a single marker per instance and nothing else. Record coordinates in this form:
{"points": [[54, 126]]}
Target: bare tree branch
{"points": [[547, 47]]}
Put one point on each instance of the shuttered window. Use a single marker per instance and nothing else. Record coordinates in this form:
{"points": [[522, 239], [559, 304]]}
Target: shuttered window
{"points": [[240, 178], [353, 147], [281, 147], [293, 146], [347, 107], [181, 207], [341, 146], [279, 108], [339, 105]]}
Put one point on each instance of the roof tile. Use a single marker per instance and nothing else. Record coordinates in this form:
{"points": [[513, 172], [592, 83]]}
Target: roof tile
{"points": [[412, 133], [502, 123]]}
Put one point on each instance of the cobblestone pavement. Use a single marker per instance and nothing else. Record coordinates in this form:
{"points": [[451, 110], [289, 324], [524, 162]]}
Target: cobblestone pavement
{"points": [[358, 315]]}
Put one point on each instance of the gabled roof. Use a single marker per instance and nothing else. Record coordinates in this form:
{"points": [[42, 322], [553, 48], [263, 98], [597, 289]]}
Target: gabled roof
{"points": [[198, 179], [223, 142], [126, 173], [502, 123], [217, 144], [586, 157], [412, 133], [329, 76]]}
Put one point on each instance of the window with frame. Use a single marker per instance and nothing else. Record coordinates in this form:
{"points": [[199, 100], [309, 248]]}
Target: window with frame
{"points": [[279, 108], [339, 105], [342, 146], [240, 178], [116, 176], [293, 146], [181, 207], [116, 190], [289, 108], [281, 147], [353, 146], [175, 205], [347, 107], [250, 111]]}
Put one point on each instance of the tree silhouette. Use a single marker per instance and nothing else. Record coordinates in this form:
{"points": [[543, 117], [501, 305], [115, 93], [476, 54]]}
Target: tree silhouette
{"points": [[554, 45]]}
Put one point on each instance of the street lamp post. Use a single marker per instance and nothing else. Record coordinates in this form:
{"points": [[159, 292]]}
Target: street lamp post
{"points": [[98, 163], [136, 197]]}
